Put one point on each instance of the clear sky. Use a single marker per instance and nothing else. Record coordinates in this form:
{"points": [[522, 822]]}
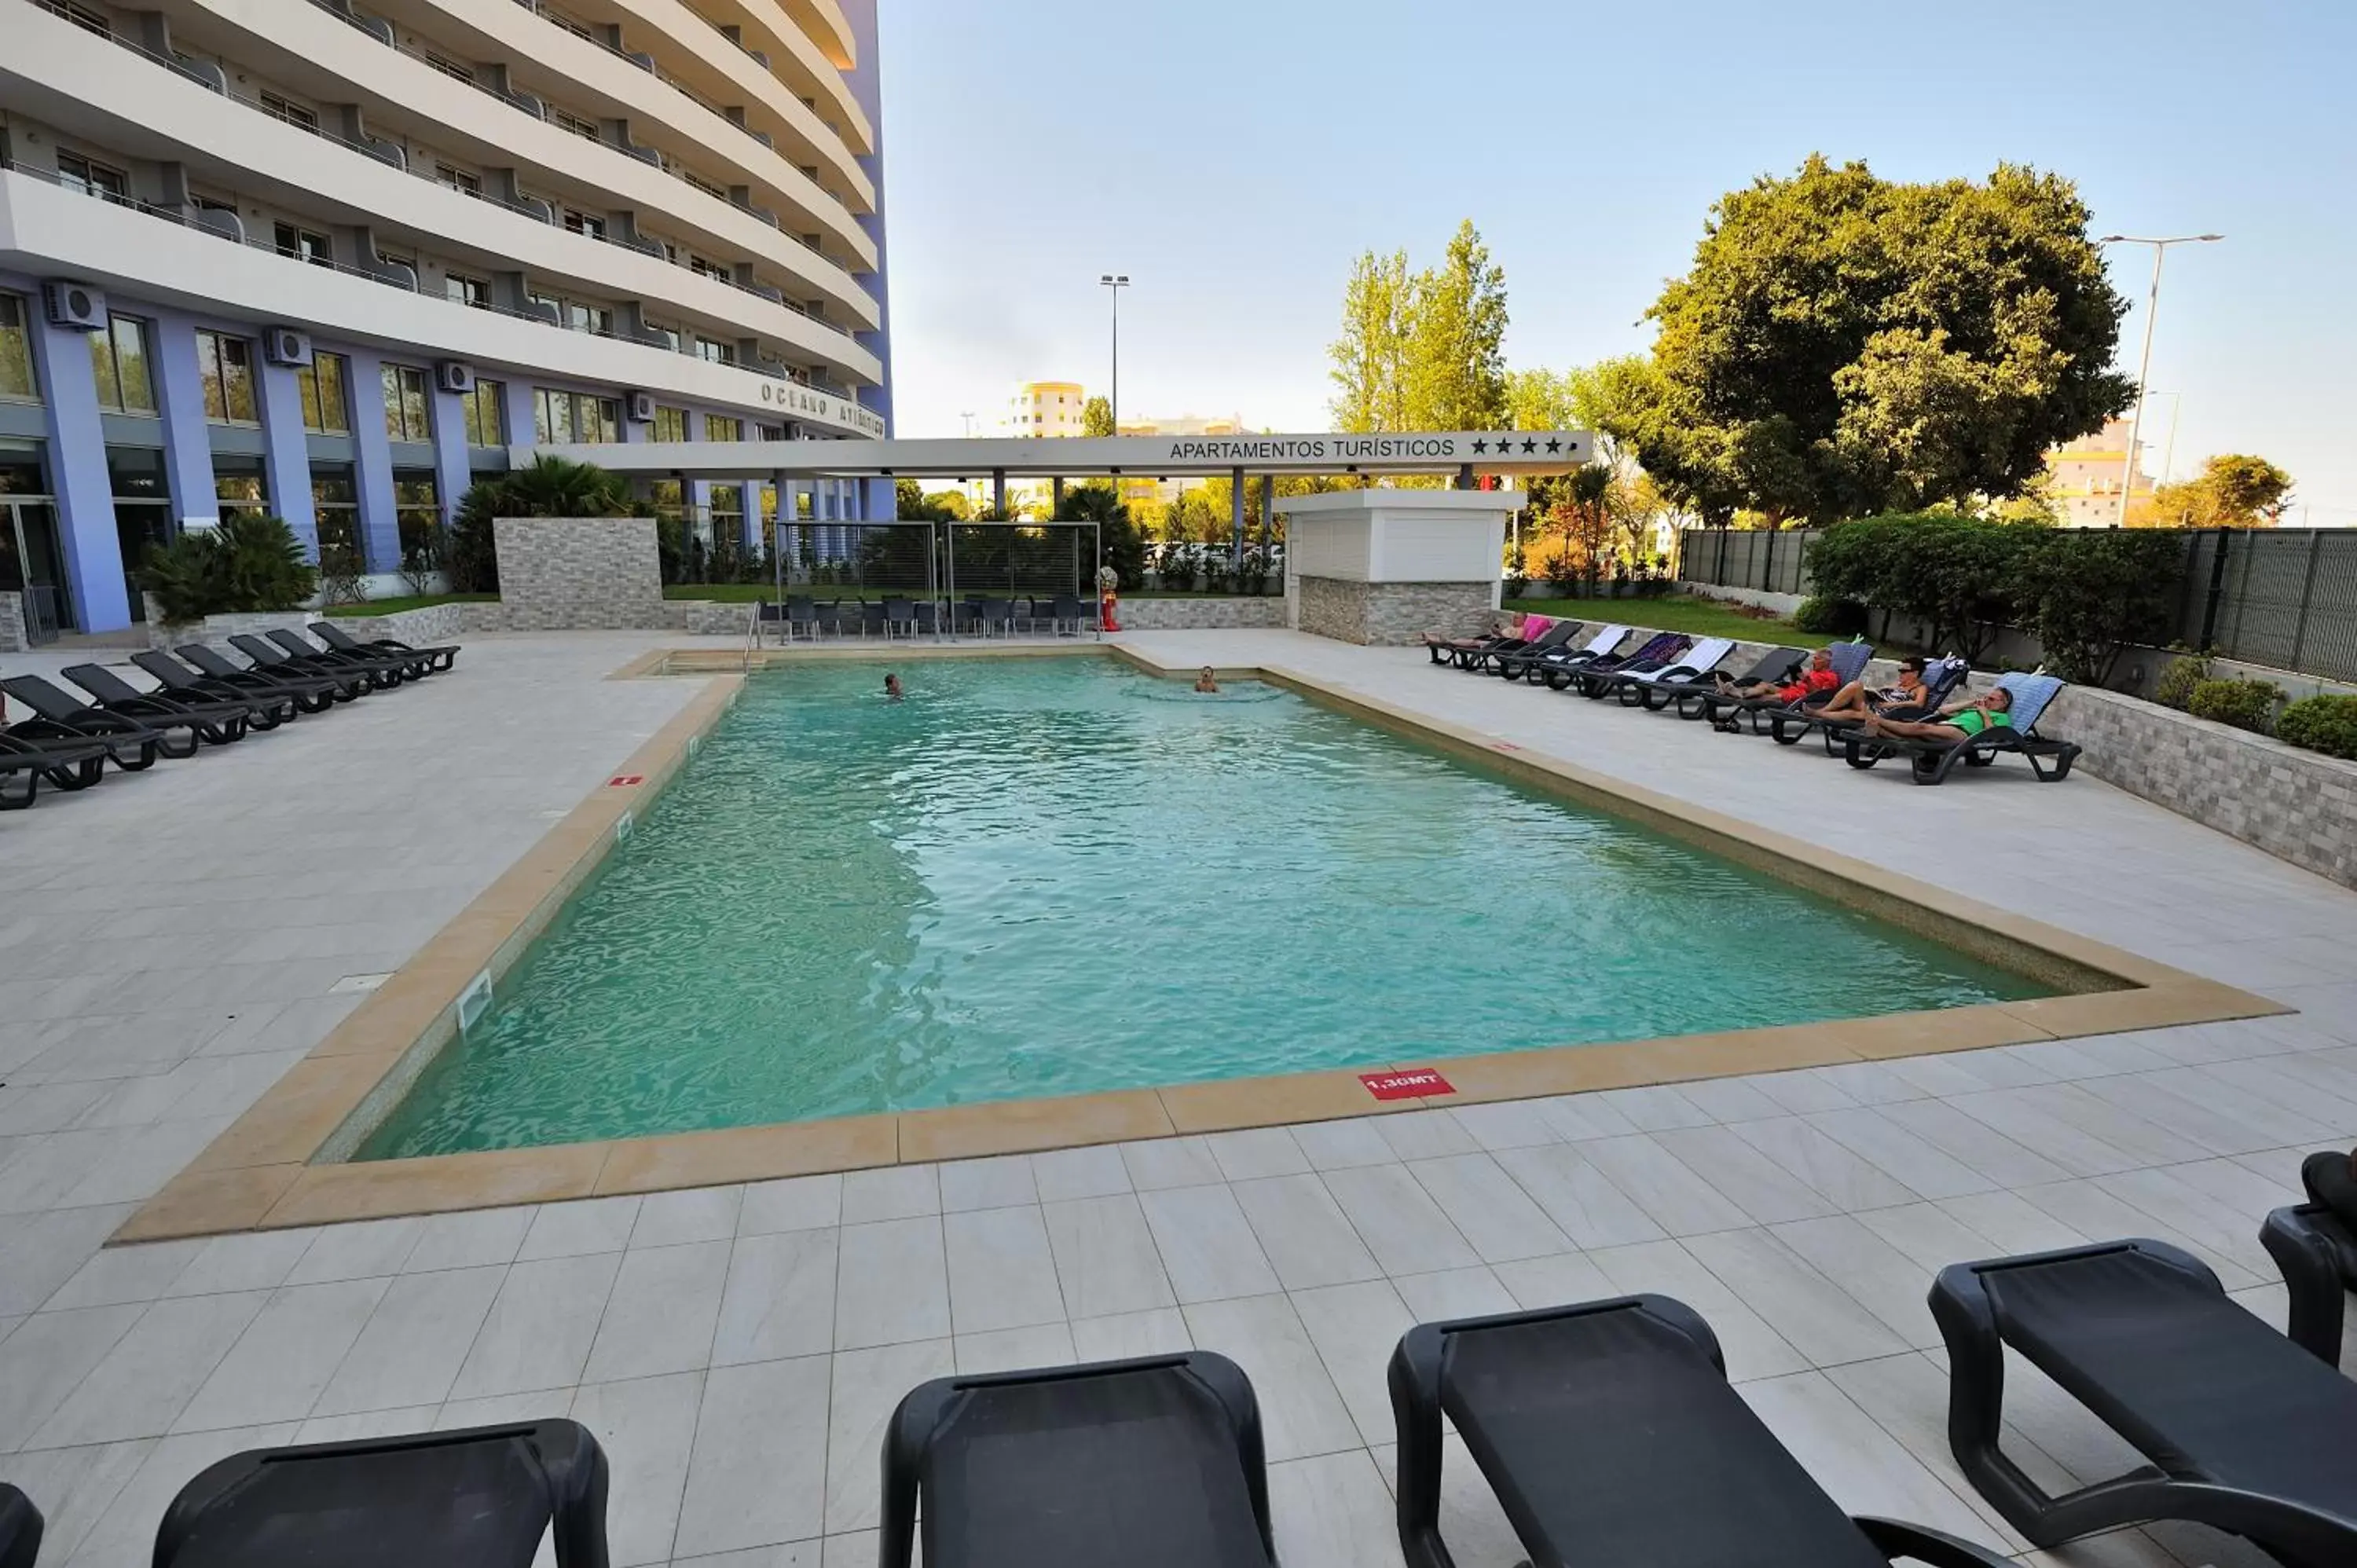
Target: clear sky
{"points": [[1234, 156]]}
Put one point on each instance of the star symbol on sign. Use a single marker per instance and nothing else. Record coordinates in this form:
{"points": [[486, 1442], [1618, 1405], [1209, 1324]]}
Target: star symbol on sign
{"points": [[1553, 444], [1481, 445], [1530, 446]]}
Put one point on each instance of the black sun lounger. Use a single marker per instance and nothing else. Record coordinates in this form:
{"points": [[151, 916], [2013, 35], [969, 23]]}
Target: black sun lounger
{"points": [[2248, 1431], [1494, 659], [1932, 760], [2315, 1245], [266, 709], [1613, 1439], [1942, 677], [1702, 699], [399, 667], [312, 693], [232, 716], [482, 1497], [159, 714], [20, 1529], [272, 659], [1659, 652], [65, 764], [439, 657], [1658, 687], [1149, 1463], [130, 745], [1536, 665]]}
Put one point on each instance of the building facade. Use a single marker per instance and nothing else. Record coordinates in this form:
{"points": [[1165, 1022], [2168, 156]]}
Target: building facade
{"points": [[331, 261], [1139, 487], [1044, 409], [2083, 476]]}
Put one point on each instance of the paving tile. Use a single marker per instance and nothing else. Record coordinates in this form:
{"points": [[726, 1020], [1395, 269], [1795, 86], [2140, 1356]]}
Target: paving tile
{"points": [[661, 1314], [1452, 1293], [647, 1427], [1306, 1238], [1355, 1328], [796, 1203], [868, 1385], [1157, 1163], [126, 1533], [1301, 1410], [1338, 1145], [75, 1488], [1580, 1199], [1000, 1273], [47, 1357], [467, 1240], [1671, 1196], [1332, 1510], [126, 1273], [571, 1229], [541, 1326], [780, 1297], [1206, 1244], [1744, 1176], [892, 1283], [1119, 1337], [1106, 1260], [139, 1388], [1402, 1226], [757, 1472], [695, 1214], [1493, 1214], [39, 1252], [254, 1260], [278, 1368], [1096, 1171], [1257, 1152], [1014, 1350], [359, 1251], [1656, 1108], [1002, 1181], [1828, 1167], [893, 1192], [1424, 1134], [411, 1349]]}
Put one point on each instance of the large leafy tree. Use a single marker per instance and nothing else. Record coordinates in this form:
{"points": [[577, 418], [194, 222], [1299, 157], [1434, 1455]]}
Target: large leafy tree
{"points": [[2234, 489], [1456, 337], [1370, 358], [1096, 417], [1846, 344]]}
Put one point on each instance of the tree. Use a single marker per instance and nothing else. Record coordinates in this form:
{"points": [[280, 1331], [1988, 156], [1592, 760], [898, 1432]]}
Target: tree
{"points": [[2233, 490], [1096, 417], [1370, 371], [1847, 345], [950, 505], [1123, 549], [1540, 400], [548, 486], [1457, 330]]}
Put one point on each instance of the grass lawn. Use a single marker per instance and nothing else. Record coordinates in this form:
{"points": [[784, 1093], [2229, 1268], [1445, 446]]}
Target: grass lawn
{"points": [[1673, 612], [412, 602]]}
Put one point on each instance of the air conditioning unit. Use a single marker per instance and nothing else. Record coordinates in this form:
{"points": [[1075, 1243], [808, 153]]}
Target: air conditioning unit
{"points": [[75, 305], [454, 376], [642, 408], [286, 346]]}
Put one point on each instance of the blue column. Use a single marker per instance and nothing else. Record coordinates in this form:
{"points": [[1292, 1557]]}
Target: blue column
{"points": [[516, 398], [187, 444], [451, 473], [285, 461], [379, 526], [94, 556]]}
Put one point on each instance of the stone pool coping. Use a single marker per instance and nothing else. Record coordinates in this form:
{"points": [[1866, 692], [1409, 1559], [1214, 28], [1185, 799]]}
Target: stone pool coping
{"points": [[283, 1163]]}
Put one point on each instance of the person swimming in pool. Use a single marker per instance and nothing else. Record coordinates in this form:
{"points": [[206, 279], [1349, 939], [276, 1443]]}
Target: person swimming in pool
{"points": [[1956, 722], [893, 692], [1206, 681]]}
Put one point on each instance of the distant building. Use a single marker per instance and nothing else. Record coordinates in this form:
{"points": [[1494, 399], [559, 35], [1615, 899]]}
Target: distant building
{"points": [[2083, 477], [1134, 489], [1043, 409]]}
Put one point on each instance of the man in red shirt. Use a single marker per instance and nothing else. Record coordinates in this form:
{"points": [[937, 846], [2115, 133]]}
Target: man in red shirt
{"points": [[1817, 680]]}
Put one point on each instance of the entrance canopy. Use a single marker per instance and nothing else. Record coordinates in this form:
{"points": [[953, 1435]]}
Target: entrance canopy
{"points": [[1150, 457]]}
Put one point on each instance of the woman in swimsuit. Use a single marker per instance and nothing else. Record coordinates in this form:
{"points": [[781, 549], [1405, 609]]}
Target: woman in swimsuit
{"points": [[1956, 722], [1855, 701]]}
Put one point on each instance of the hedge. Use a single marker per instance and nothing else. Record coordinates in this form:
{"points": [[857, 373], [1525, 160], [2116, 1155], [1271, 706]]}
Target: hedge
{"points": [[2325, 723], [2246, 704]]}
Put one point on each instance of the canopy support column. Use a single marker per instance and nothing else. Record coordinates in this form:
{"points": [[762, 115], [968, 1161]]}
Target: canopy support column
{"points": [[1236, 523]]}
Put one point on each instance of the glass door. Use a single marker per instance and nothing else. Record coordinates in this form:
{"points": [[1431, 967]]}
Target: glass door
{"points": [[37, 567]]}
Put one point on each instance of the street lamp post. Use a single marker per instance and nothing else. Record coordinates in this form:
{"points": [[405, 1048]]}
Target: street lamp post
{"points": [[2144, 366], [1115, 282]]}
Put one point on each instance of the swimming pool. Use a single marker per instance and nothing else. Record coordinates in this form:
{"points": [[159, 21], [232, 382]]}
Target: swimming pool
{"points": [[1047, 877]]}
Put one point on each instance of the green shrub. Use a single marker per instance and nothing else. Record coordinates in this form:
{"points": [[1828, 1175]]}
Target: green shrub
{"points": [[1957, 574], [2087, 593], [2324, 723], [2246, 704], [2175, 687], [546, 487], [1825, 617], [248, 563]]}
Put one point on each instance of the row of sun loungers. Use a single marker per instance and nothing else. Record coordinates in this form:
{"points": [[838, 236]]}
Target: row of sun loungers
{"points": [[202, 698], [1700, 678], [1607, 1430]]}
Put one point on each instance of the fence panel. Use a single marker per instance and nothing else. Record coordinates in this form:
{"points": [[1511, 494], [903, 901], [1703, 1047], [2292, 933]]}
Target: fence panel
{"points": [[1770, 560]]}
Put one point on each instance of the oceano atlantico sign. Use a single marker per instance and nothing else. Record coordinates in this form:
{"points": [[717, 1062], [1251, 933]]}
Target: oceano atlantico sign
{"points": [[1498, 447], [792, 397]]}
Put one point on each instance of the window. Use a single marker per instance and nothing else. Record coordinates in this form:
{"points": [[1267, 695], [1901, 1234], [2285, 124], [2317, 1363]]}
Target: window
{"points": [[563, 416], [286, 109], [143, 506], [579, 222], [596, 320], [670, 335], [459, 180], [306, 245], [335, 502], [729, 514], [239, 487], [703, 268], [406, 404], [417, 512], [327, 409], [709, 187], [671, 423], [225, 365], [16, 351], [118, 359], [719, 353], [565, 119], [82, 17], [473, 292], [447, 67], [487, 422], [768, 432], [93, 177], [720, 427]]}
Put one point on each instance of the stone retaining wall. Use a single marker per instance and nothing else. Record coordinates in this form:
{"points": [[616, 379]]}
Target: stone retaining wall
{"points": [[427, 627], [11, 623], [1392, 614], [219, 629], [1213, 612], [565, 574]]}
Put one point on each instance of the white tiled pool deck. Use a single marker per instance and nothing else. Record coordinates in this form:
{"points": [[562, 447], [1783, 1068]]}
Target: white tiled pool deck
{"points": [[171, 942]]}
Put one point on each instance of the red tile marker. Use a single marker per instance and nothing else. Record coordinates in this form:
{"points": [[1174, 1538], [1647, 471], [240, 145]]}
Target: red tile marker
{"points": [[623, 781], [1412, 1084]]}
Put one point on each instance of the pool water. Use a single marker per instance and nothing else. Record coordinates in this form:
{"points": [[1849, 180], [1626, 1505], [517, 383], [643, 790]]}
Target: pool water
{"points": [[1050, 875]]}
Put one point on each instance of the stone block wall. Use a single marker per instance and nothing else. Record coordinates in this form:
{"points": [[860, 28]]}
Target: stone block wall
{"points": [[1392, 614], [564, 573], [2299, 805], [427, 627], [1210, 613], [219, 629], [11, 623]]}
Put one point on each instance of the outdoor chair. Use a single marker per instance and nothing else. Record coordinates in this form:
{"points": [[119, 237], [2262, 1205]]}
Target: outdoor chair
{"points": [[997, 616], [1659, 688], [403, 666], [1542, 664], [275, 660], [900, 617], [131, 744], [2315, 1245], [802, 618], [482, 1497], [225, 718], [1933, 760], [839, 618], [269, 707], [440, 657], [1489, 657], [1942, 679], [1702, 699], [927, 621], [1613, 1439], [1443, 649], [1068, 613], [20, 1529], [2247, 1431], [1152, 1464], [1848, 660], [67, 765], [1657, 652], [312, 693], [873, 621]]}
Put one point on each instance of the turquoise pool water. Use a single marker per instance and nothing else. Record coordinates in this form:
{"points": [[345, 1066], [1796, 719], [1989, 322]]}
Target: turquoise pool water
{"points": [[1045, 876]]}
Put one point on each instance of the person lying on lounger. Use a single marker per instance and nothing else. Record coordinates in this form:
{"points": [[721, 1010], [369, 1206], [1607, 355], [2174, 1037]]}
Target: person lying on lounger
{"points": [[1506, 627], [1817, 678], [1855, 701], [1957, 722]]}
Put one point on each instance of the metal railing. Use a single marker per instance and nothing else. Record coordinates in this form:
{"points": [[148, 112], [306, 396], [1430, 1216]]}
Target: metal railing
{"points": [[214, 83]]}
